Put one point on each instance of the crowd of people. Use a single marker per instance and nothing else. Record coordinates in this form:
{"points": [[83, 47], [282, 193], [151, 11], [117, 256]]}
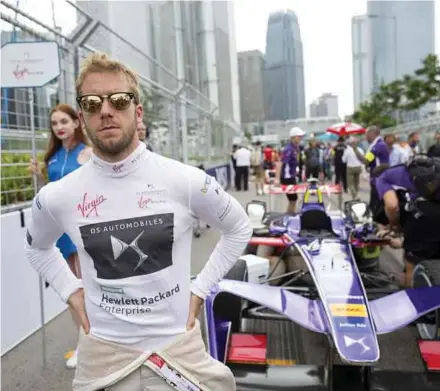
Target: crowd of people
{"points": [[336, 162]]}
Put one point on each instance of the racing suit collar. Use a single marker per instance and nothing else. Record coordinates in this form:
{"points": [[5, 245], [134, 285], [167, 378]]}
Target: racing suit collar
{"points": [[124, 167], [375, 141]]}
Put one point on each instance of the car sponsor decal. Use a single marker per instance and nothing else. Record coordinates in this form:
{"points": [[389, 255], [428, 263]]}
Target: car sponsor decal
{"points": [[348, 310]]}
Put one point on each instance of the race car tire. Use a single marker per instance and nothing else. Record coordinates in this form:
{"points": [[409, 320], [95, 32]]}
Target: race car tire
{"points": [[227, 306], [427, 273]]}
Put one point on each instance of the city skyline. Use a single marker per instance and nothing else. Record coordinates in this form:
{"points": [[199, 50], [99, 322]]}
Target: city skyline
{"points": [[326, 37], [325, 30]]}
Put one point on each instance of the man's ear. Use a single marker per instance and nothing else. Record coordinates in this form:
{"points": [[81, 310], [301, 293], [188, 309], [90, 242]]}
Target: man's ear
{"points": [[82, 120], [139, 113]]}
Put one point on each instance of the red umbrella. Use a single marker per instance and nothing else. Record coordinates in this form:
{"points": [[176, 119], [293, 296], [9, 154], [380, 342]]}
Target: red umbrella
{"points": [[346, 129]]}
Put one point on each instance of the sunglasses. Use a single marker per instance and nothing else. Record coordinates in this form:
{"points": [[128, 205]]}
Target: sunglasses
{"points": [[93, 103]]}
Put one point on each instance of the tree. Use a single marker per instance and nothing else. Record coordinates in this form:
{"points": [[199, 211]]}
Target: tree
{"points": [[409, 93], [373, 112], [151, 101], [392, 94], [424, 86], [379, 109], [248, 135]]}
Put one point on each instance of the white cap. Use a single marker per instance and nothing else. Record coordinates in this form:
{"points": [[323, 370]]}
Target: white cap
{"points": [[294, 132]]}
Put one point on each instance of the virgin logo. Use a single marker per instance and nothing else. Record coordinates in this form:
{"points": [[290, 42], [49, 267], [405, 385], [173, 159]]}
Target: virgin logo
{"points": [[143, 202], [20, 73], [88, 206], [118, 167]]}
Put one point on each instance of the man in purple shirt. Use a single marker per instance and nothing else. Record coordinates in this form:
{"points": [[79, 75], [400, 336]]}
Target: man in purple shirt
{"points": [[377, 158], [286, 170], [419, 223]]}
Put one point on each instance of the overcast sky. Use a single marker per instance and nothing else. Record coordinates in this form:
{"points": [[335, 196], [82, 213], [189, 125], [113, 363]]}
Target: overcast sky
{"points": [[325, 27]]}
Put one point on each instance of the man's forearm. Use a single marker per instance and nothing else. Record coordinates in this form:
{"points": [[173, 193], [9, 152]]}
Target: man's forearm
{"points": [[53, 268], [278, 170], [360, 156], [223, 258], [393, 215]]}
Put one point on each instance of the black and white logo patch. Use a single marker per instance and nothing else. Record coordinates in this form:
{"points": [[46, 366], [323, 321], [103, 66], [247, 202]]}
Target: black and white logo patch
{"points": [[130, 247]]}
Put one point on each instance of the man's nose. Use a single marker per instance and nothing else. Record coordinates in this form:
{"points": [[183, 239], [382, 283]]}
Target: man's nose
{"points": [[106, 109]]}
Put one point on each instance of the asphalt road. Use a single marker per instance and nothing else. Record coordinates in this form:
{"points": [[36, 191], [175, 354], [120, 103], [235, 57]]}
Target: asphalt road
{"points": [[22, 368]]}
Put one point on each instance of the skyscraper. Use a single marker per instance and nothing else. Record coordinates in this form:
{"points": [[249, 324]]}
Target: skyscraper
{"points": [[398, 43], [388, 43], [250, 75], [208, 51], [325, 106], [226, 59], [284, 68], [361, 57]]}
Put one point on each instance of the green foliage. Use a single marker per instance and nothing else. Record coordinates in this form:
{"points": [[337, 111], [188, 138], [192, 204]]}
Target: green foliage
{"points": [[16, 180], [424, 86], [373, 113], [410, 93], [153, 106]]}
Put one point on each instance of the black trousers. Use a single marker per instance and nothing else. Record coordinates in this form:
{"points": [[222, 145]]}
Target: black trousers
{"points": [[341, 175], [242, 177], [312, 171]]}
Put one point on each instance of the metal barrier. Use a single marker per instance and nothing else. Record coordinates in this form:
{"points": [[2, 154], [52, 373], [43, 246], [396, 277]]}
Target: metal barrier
{"points": [[185, 125], [427, 128]]}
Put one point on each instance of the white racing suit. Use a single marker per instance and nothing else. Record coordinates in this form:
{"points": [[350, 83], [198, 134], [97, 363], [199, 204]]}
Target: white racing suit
{"points": [[132, 223]]}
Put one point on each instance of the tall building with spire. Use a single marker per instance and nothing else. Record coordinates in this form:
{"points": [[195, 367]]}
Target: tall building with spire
{"points": [[284, 68]]}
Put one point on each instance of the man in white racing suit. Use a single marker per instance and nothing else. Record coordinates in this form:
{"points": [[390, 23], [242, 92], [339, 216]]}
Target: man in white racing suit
{"points": [[130, 212]]}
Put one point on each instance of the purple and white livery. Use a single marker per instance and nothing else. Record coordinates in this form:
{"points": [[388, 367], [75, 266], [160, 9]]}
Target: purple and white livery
{"points": [[342, 310]]}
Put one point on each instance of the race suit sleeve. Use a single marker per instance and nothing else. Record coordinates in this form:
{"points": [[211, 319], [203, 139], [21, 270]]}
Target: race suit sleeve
{"points": [[42, 232], [384, 183], [286, 156], [211, 204]]}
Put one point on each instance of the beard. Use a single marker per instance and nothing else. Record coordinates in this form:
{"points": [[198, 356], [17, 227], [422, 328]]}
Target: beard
{"points": [[111, 146]]}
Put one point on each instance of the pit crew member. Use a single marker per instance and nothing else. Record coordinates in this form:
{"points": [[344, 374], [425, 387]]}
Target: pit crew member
{"points": [[411, 199], [376, 159], [286, 169]]}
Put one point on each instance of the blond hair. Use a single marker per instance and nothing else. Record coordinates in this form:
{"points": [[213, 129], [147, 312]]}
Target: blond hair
{"points": [[101, 62]]}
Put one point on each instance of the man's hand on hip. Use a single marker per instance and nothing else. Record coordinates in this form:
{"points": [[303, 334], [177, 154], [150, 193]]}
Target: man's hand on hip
{"points": [[76, 302], [195, 304]]}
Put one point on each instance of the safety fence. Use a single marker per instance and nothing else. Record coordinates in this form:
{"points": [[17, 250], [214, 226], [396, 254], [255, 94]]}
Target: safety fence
{"points": [[427, 128], [184, 124]]}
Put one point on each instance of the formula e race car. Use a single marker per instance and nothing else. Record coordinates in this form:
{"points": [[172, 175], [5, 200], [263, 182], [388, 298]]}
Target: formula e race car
{"points": [[340, 295]]}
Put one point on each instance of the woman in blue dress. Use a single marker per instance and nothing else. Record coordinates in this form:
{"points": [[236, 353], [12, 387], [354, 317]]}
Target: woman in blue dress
{"points": [[67, 150]]}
